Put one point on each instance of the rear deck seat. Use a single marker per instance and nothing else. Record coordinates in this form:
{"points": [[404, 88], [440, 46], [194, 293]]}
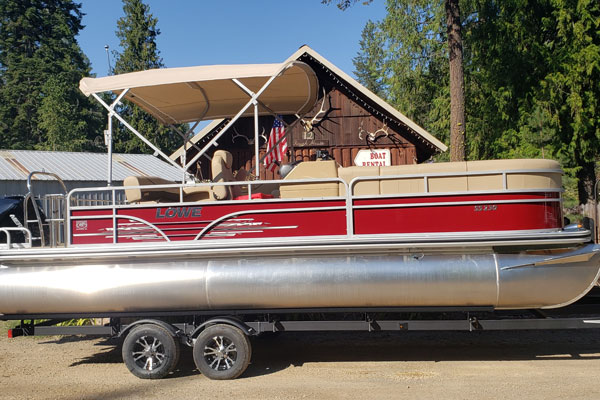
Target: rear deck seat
{"points": [[311, 170], [221, 172], [417, 184], [161, 195], [361, 188], [547, 175]]}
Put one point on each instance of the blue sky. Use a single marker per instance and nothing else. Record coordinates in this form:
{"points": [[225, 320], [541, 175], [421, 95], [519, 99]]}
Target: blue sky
{"points": [[203, 32]]}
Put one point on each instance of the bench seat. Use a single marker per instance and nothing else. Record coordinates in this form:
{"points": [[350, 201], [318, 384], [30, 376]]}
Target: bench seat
{"points": [[466, 176], [161, 195]]}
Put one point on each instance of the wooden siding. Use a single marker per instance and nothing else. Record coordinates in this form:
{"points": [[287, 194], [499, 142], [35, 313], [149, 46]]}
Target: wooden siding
{"points": [[343, 131]]}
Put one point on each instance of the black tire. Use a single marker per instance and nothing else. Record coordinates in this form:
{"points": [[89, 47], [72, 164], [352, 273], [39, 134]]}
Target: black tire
{"points": [[222, 352], [150, 352]]}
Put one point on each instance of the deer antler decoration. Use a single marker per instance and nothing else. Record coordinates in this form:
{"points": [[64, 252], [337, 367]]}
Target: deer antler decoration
{"points": [[372, 136], [248, 140], [310, 125]]}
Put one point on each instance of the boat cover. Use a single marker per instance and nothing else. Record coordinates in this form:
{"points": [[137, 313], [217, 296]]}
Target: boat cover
{"points": [[188, 94]]}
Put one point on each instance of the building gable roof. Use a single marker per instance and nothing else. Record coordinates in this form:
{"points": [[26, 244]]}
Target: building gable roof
{"points": [[426, 136], [420, 133]]}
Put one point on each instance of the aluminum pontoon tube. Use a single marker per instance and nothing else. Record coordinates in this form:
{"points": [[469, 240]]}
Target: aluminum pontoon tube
{"points": [[358, 280]]}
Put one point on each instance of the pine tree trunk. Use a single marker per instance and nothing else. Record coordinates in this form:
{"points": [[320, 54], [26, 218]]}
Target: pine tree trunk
{"points": [[457, 95], [586, 179]]}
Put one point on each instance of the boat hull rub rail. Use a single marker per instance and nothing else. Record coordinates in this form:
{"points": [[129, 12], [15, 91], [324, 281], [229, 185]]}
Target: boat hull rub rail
{"points": [[443, 243]]}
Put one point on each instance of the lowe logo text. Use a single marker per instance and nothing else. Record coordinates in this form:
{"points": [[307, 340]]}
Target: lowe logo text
{"points": [[178, 212]]}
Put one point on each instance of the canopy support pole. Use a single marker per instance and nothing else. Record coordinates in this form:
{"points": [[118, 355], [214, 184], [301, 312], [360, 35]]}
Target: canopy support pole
{"points": [[241, 112], [133, 130], [256, 148], [184, 136], [287, 126], [108, 140], [108, 136]]}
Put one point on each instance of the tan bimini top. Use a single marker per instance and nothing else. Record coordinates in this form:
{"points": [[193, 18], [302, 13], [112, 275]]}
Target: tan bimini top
{"points": [[189, 94]]}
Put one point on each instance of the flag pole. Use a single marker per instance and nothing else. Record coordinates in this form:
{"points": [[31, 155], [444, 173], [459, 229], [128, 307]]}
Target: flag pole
{"points": [[256, 148]]}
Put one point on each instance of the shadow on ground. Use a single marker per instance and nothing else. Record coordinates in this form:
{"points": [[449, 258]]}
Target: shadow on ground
{"points": [[276, 353]]}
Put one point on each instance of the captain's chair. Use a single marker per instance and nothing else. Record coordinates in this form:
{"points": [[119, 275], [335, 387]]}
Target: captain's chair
{"points": [[221, 164]]}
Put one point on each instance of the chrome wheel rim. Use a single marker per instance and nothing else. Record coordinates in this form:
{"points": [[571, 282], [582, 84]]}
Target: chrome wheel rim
{"points": [[148, 353], [220, 353]]}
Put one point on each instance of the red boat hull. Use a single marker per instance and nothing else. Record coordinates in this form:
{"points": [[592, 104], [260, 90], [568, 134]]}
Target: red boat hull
{"points": [[294, 218]]}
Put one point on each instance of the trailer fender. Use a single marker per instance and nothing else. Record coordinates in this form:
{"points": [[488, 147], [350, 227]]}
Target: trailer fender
{"points": [[225, 320], [170, 328]]}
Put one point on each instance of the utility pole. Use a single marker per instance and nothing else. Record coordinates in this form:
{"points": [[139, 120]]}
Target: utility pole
{"points": [[108, 59]]}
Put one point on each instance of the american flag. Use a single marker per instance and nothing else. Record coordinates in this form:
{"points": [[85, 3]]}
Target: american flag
{"points": [[276, 156]]}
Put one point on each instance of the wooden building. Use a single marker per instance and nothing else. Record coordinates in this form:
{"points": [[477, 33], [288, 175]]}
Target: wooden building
{"points": [[346, 119]]}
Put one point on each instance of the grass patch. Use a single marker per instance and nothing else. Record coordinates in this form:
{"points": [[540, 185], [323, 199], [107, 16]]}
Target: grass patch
{"points": [[6, 325]]}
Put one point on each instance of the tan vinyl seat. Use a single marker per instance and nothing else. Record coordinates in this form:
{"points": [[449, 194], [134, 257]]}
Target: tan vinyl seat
{"points": [[548, 174], [311, 170], [161, 195], [221, 172], [453, 178], [417, 184], [361, 188], [222, 162], [137, 195], [197, 193]]}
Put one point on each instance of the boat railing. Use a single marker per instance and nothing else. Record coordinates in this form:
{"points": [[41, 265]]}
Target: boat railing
{"points": [[182, 186], [427, 177], [349, 197], [49, 218], [7, 235], [249, 185]]}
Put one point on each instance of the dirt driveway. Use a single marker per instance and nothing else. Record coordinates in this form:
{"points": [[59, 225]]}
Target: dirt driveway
{"points": [[441, 365]]}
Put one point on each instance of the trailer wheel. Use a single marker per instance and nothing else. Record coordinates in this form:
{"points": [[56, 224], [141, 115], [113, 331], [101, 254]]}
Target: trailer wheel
{"points": [[222, 352], [150, 352]]}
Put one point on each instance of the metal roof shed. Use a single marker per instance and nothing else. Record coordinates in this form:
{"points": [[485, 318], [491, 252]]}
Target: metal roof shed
{"points": [[76, 169]]}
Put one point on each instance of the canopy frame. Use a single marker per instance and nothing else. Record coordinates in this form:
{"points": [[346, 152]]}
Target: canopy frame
{"points": [[253, 101]]}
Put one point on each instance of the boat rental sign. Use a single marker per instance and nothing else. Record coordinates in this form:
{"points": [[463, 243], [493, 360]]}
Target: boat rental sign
{"points": [[373, 158]]}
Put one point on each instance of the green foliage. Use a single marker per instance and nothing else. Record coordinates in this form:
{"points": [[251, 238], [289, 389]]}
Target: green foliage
{"points": [[77, 322], [538, 62], [343, 4], [532, 76], [6, 325], [41, 64], [404, 59], [138, 31], [68, 126], [571, 88], [369, 61]]}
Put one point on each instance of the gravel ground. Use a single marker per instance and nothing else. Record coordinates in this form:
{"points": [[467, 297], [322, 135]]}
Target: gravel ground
{"points": [[448, 365]]}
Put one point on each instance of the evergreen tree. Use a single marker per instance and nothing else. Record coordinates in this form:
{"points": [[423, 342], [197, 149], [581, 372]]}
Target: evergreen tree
{"points": [[41, 64], [417, 28], [137, 32], [532, 69], [369, 62], [507, 60], [569, 93], [538, 67], [457, 90], [409, 52]]}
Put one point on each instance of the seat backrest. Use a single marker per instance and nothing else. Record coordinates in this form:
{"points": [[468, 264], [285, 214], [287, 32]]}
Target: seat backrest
{"points": [[308, 170], [416, 184], [137, 195], [221, 164], [362, 188], [546, 174]]}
